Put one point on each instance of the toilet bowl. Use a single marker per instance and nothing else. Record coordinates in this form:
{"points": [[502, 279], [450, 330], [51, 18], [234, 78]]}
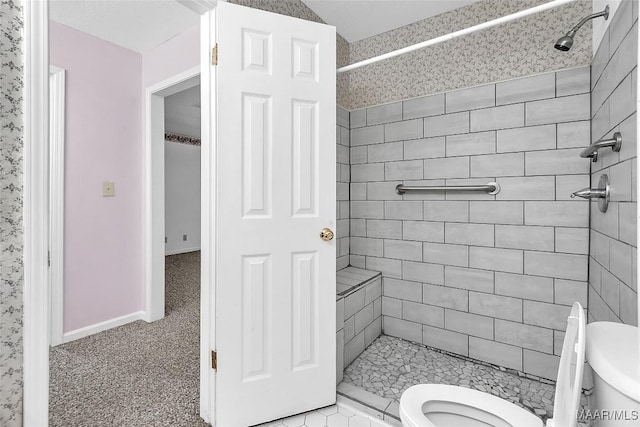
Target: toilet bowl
{"points": [[613, 353], [439, 405]]}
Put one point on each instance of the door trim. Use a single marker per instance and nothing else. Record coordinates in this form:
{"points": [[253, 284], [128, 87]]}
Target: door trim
{"points": [[56, 202], [36, 310], [209, 204], [154, 247], [36, 215]]}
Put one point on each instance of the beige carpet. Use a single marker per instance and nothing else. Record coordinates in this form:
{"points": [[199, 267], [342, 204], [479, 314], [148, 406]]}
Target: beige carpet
{"points": [[140, 374]]}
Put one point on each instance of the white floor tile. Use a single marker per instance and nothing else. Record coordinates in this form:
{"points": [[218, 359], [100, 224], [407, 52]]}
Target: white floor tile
{"points": [[315, 419], [332, 416], [337, 420], [359, 421]]}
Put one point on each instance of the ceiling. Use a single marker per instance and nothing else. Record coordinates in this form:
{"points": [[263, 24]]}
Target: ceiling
{"points": [[141, 25], [187, 98], [357, 19], [182, 112]]}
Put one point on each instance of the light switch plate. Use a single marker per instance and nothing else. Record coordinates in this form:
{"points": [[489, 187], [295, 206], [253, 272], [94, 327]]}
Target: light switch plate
{"points": [[108, 189]]}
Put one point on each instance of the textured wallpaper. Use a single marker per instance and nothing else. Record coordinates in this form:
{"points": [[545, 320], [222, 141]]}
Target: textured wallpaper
{"points": [[298, 9], [11, 237], [516, 49], [342, 80]]}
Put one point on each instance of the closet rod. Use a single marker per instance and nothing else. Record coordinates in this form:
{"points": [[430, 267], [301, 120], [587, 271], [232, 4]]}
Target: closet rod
{"points": [[455, 34]]}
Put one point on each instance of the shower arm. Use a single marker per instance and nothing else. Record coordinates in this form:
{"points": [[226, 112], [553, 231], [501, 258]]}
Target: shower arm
{"points": [[592, 151], [576, 27]]}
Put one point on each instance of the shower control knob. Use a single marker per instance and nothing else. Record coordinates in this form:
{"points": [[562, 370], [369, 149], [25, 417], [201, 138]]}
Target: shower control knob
{"points": [[326, 234]]}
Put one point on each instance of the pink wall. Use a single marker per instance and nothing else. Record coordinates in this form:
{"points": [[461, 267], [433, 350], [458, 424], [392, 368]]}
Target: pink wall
{"points": [[103, 235], [104, 265]]}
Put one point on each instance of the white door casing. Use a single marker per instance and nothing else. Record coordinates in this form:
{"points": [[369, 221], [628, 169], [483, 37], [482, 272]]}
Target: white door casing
{"points": [[35, 292], [275, 277], [56, 202], [154, 246]]}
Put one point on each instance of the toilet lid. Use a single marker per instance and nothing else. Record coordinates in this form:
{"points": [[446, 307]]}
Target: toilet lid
{"points": [[415, 397], [569, 382]]}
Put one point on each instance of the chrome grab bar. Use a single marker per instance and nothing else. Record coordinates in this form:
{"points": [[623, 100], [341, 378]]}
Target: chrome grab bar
{"points": [[491, 188], [592, 151]]}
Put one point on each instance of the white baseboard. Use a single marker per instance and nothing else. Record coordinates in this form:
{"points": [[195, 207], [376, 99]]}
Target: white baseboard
{"points": [[181, 251], [102, 326]]}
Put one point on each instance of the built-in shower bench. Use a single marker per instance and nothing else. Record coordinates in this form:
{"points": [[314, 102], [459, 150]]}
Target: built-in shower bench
{"points": [[358, 313]]}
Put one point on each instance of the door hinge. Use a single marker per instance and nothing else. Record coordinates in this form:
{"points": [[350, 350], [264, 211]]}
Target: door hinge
{"points": [[214, 55], [214, 359]]}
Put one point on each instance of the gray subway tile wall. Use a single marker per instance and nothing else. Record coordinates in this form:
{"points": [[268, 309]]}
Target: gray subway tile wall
{"points": [[422, 107], [527, 139], [496, 352], [343, 179], [447, 124], [504, 117], [573, 134], [562, 109], [574, 81], [358, 315], [424, 148], [526, 89], [489, 277], [445, 340], [612, 291]]}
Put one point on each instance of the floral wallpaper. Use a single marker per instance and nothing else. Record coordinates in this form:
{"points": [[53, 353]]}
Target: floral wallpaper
{"points": [[342, 80], [11, 236], [516, 49]]}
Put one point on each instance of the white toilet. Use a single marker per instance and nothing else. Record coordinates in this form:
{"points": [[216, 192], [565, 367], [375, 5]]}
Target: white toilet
{"points": [[613, 351], [438, 405]]}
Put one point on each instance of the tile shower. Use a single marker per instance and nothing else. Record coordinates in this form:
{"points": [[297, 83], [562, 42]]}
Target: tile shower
{"points": [[484, 276], [481, 285], [612, 267]]}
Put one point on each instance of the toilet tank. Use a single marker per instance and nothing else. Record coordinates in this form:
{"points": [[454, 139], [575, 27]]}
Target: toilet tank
{"points": [[613, 351]]}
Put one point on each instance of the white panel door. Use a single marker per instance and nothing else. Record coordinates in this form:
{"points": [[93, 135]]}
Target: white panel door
{"points": [[275, 282]]}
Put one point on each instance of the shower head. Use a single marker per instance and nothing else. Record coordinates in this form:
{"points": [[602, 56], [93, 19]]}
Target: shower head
{"points": [[564, 43]]}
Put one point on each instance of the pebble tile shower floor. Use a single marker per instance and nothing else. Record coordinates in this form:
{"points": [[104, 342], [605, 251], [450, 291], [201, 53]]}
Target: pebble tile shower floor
{"points": [[391, 365]]}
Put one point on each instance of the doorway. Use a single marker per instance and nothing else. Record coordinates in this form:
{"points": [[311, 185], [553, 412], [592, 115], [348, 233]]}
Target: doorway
{"points": [[141, 358], [56, 203], [309, 110], [182, 172], [182, 187]]}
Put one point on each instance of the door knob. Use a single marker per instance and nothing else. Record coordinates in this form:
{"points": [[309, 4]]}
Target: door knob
{"points": [[326, 234]]}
